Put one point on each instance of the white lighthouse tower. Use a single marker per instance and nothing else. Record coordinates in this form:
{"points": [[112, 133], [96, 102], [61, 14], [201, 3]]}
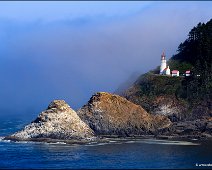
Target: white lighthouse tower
{"points": [[163, 64]]}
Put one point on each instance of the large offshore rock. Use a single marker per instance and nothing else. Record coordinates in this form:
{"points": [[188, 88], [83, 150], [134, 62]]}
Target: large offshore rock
{"points": [[109, 114], [58, 121]]}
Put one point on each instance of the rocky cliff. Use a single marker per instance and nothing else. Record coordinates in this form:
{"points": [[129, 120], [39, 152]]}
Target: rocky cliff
{"points": [[58, 121], [198, 129], [109, 114], [163, 95], [158, 95]]}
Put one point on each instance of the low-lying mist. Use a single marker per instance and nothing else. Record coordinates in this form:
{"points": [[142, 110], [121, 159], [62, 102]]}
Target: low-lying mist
{"points": [[71, 59]]}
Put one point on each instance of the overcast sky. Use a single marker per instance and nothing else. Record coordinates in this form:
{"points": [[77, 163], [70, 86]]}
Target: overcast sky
{"points": [[70, 50]]}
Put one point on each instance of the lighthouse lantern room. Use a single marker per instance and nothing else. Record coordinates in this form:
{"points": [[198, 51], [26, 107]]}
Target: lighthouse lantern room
{"points": [[163, 68]]}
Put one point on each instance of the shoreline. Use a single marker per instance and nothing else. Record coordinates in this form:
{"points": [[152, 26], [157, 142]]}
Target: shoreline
{"points": [[107, 139]]}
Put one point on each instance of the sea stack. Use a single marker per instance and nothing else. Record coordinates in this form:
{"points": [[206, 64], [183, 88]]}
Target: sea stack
{"points": [[58, 121]]}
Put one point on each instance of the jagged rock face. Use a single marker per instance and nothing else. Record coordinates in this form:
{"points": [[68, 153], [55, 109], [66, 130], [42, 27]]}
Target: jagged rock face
{"points": [[109, 114], [166, 105], [199, 128], [59, 121], [157, 95]]}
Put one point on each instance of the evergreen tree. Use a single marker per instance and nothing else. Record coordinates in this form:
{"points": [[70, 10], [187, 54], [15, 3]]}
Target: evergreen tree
{"points": [[197, 50]]}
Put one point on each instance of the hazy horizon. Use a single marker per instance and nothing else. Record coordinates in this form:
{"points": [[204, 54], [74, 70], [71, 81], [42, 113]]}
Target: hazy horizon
{"points": [[70, 50]]}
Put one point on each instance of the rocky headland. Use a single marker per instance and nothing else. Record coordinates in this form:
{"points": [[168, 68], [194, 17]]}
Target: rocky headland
{"points": [[105, 114], [110, 114], [162, 95]]}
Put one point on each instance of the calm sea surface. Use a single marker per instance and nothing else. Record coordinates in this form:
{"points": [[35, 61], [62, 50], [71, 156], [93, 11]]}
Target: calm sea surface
{"points": [[130, 154]]}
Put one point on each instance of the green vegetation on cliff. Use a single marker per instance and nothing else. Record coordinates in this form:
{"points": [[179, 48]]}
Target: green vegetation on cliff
{"points": [[183, 97], [154, 85], [196, 51], [159, 94]]}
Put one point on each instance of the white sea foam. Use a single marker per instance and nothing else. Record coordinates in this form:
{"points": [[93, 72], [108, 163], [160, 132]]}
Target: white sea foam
{"points": [[99, 144], [63, 143], [32, 142], [3, 140], [166, 142], [194, 139], [23, 142], [96, 144], [130, 142], [112, 141], [91, 143]]}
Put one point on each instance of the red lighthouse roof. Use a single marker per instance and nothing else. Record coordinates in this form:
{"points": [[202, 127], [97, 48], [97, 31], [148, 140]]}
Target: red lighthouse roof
{"points": [[163, 56], [175, 71]]}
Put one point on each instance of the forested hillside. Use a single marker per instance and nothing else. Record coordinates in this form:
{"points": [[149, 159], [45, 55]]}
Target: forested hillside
{"points": [[196, 51]]}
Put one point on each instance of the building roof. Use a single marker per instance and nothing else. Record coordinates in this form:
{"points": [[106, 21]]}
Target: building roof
{"points": [[175, 71], [188, 72]]}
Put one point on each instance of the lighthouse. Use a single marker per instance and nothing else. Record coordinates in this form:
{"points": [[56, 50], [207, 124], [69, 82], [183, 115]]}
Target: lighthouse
{"points": [[163, 64]]}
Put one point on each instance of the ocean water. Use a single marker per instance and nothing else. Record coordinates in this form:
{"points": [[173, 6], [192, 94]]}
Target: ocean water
{"points": [[117, 154]]}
